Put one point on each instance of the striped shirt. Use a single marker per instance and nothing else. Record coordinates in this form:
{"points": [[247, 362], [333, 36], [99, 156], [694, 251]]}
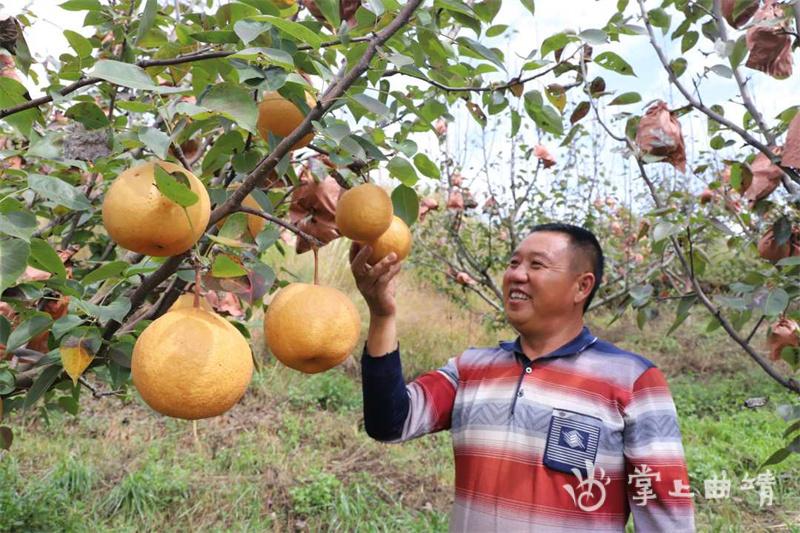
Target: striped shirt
{"points": [[575, 440]]}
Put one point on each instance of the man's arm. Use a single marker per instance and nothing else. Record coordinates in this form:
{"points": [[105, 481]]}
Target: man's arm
{"points": [[654, 457], [392, 410]]}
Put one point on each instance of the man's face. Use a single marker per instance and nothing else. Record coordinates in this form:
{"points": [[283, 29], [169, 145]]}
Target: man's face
{"points": [[541, 285]]}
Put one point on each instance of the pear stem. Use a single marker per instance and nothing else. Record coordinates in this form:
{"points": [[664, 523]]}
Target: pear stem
{"points": [[196, 303], [316, 265]]}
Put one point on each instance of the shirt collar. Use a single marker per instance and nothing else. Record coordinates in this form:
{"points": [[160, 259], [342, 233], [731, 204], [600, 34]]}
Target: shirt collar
{"points": [[575, 346]]}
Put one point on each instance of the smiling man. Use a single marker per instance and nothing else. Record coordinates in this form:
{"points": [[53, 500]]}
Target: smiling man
{"points": [[556, 430]]}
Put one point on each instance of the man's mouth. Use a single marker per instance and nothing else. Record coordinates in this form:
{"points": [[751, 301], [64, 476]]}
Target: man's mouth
{"points": [[518, 296]]}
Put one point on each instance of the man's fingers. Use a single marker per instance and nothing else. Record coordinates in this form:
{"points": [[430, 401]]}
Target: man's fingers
{"points": [[358, 263], [355, 247], [381, 267], [389, 275]]}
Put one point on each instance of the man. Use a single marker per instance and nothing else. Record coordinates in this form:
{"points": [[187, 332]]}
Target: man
{"points": [[555, 431]]}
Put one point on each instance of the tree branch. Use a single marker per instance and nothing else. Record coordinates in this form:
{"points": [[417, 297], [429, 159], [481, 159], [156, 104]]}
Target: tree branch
{"points": [[291, 227], [476, 88], [789, 383], [737, 74], [189, 58], [752, 141]]}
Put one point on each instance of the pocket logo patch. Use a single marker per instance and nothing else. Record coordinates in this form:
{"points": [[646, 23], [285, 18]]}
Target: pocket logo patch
{"points": [[572, 439]]}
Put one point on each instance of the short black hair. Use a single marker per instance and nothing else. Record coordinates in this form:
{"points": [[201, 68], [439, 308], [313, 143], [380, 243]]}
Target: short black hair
{"points": [[587, 245]]}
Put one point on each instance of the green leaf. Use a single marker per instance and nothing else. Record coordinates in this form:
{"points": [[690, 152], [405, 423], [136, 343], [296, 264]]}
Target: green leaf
{"points": [[482, 51], [128, 75], [626, 99], [791, 429], [689, 40], [659, 18], [7, 382], [215, 37], [406, 204], [13, 260], [233, 228], [248, 30], [33, 326], [556, 42], [330, 10], [89, 114], [497, 30], [146, 20], [678, 66], [664, 230], [172, 188], [41, 384], [114, 269], [426, 166], [545, 116], [293, 29], [739, 52], [58, 191], [155, 140], [613, 62], [13, 93], [790, 261], [43, 257], [20, 224], [81, 5], [117, 310], [372, 105], [529, 5], [65, 324], [235, 102], [722, 70], [777, 300], [593, 36], [401, 169], [776, 457], [456, 7], [225, 267], [82, 46]]}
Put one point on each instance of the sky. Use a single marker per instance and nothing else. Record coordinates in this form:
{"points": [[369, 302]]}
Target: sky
{"points": [[45, 37]]}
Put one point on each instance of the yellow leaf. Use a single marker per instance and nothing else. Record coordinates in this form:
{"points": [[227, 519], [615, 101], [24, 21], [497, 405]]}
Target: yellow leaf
{"points": [[75, 357], [517, 89]]}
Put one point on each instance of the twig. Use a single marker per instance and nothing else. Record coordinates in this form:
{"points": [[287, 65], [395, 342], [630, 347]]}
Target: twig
{"points": [[476, 88], [96, 392], [755, 328], [291, 227], [737, 74], [752, 141]]}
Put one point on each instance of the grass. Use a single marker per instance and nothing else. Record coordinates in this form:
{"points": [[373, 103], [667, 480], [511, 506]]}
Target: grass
{"points": [[293, 455]]}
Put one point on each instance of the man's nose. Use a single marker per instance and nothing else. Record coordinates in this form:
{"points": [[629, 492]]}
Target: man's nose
{"points": [[516, 274]]}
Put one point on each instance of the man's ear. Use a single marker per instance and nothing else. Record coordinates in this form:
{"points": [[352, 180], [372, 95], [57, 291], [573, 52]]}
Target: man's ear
{"points": [[586, 283]]}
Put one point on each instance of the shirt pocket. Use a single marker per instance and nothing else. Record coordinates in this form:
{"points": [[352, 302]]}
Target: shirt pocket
{"points": [[572, 441]]}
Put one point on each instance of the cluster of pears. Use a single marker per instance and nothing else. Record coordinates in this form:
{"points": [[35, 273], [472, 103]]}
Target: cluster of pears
{"points": [[191, 363], [312, 328]]}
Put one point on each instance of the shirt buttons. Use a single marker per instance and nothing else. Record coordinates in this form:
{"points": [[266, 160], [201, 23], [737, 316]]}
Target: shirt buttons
{"points": [[520, 394], [528, 370]]}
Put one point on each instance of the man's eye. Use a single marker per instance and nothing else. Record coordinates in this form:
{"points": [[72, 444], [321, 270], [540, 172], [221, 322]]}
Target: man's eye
{"points": [[513, 263], [536, 264]]}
